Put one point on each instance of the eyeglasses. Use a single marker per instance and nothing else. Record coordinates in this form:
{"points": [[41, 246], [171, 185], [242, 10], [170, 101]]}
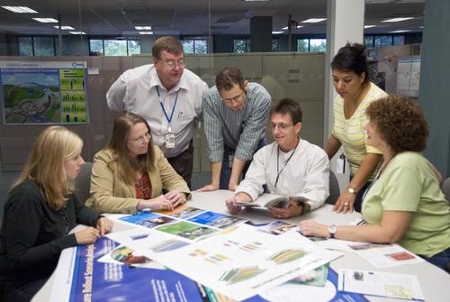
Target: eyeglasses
{"points": [[172, 64], [281, 126], [141, 139], [236, 99]]}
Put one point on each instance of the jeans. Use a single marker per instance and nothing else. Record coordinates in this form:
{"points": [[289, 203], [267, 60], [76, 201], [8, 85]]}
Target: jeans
{"points": [[183, 163], [225, 173], [360, 195], [441, 260]]}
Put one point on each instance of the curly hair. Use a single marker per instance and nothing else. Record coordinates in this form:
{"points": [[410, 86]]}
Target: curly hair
{"points": [[352, 58], [400, 122]]}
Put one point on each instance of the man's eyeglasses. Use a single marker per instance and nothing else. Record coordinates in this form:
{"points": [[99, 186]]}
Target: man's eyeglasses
{"points": [[172, 64], [236, 99], [141, 139], [281, 126]]}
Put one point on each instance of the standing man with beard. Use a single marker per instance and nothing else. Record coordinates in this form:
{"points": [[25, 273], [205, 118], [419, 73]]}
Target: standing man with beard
{"points": [[235, 115], [169, 97]]}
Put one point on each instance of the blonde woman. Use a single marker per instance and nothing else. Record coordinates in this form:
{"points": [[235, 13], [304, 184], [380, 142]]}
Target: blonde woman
{"points": [[40, 211]]}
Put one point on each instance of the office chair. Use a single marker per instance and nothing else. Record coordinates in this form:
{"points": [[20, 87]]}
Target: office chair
{"points": [[335, 191], [445, 187], [83, 182]]}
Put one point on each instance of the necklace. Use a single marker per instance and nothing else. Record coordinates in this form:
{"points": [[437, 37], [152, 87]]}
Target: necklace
{"points": [[285, 163]]}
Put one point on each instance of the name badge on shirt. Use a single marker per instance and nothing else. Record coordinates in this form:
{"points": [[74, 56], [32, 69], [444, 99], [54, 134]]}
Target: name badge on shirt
{"points": [[170, 139]]}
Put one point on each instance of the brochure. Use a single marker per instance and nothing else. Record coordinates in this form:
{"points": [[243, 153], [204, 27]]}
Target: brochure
{"points": [[382, 284], [271, 200]]}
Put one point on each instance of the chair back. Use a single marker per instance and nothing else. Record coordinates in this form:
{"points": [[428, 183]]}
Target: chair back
{"points": [[83, 182], [445, 187], [335, 191]]}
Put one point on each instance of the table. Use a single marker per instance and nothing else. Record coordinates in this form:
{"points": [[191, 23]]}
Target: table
{"points": [[434, 282]]}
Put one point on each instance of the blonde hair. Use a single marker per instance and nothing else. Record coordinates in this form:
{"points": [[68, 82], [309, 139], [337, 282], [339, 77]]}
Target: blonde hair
{"points": [[45, 164]]}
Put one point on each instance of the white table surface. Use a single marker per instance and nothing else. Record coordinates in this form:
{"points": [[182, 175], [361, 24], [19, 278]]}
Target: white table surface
{"points": [[434, 282]]}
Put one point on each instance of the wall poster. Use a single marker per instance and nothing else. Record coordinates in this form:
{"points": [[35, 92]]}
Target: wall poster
{"points": [[44, 92]]}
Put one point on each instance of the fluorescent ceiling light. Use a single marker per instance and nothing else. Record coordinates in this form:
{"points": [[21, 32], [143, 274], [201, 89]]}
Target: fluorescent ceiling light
{"points": [[277, 32], [369, 26], [20, 9], [398, 19], [77, 32], [46, 20], [64, 27], [257, 0], [143, 27], [145, 32], [314, 20], [298, 26], [400, 31]]}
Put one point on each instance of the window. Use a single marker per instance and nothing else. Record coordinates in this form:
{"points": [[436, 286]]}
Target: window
{"points": [[311, 45], [25, 46], [114, 47], [275, 45], [383, 40], [195, 45], [399, 40], [38, 46], [241, 45], [368, 41]]}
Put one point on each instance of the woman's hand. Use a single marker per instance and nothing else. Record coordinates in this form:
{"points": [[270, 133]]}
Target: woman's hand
{"points": [[104, 225], [87, 236], [311, 228], [176, 198], [345, 203]]}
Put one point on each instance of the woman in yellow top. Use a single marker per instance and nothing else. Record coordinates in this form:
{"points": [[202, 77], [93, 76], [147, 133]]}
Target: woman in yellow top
{"points": [[350, 79], [130, 173]]}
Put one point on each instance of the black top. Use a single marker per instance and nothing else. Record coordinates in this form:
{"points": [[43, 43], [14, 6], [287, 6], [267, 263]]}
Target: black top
{"points": [[33, 235]]}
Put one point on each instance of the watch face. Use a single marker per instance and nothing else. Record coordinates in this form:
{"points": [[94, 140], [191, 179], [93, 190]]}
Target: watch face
{"points": [[332, 229], [351, 190]]}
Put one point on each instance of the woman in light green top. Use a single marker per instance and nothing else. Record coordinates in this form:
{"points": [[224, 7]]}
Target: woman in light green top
{"points": [[405, 203]]}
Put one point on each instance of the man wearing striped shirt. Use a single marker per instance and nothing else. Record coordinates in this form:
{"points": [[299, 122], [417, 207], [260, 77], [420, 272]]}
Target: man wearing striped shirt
{"points": [[235, 114]]}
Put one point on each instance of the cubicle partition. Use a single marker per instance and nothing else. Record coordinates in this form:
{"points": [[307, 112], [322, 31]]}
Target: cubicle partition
{"points": [[299, 76]]}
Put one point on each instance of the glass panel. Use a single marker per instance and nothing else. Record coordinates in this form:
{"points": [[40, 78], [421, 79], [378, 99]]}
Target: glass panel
{"points": [[240, 45], [25, 46], [368, 41], [43, 46], [302, 45], [134, 47], [317, 45], [399, 40], [275, 45], [188, 46], [115, 47], [383, 40], [201, 46], [96, 47]]}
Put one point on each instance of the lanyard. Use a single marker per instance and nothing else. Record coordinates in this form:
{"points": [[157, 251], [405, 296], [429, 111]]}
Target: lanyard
{"points": [[285, 163], [169, 120]]}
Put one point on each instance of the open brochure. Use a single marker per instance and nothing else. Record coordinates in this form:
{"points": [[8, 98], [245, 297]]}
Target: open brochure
{"points": [[382, 284], [271, 200]]}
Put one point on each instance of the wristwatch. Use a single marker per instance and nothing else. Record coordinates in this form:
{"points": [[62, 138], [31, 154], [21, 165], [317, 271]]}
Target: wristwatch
{"points": [[332, 230], [351, 191]]}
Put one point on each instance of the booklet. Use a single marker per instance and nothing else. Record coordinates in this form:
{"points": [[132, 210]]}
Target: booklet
{"points": [[271, 200], [392, 285]]}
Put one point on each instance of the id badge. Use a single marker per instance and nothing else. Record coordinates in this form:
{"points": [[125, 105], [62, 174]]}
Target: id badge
{"points": [[170, 140], [230, 161]]}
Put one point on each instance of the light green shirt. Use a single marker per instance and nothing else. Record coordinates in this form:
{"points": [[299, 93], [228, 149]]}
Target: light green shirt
{"points": [[409, 184]]}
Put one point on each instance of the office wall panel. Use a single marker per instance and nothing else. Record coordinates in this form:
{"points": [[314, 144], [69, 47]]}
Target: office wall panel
{"points": [[15, 140]]}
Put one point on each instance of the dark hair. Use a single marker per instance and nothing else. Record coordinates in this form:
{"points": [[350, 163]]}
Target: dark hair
{"points": [[352, 57], [288, 106], [400, 122], [228, 77], [168, 43], [118, 144]]}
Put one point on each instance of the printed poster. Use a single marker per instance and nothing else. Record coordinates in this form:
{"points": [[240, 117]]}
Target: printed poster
{"points": [[44, 92]]}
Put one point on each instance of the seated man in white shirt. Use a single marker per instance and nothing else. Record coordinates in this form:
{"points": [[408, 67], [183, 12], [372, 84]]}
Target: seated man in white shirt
{"points": [[290, 166]]}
